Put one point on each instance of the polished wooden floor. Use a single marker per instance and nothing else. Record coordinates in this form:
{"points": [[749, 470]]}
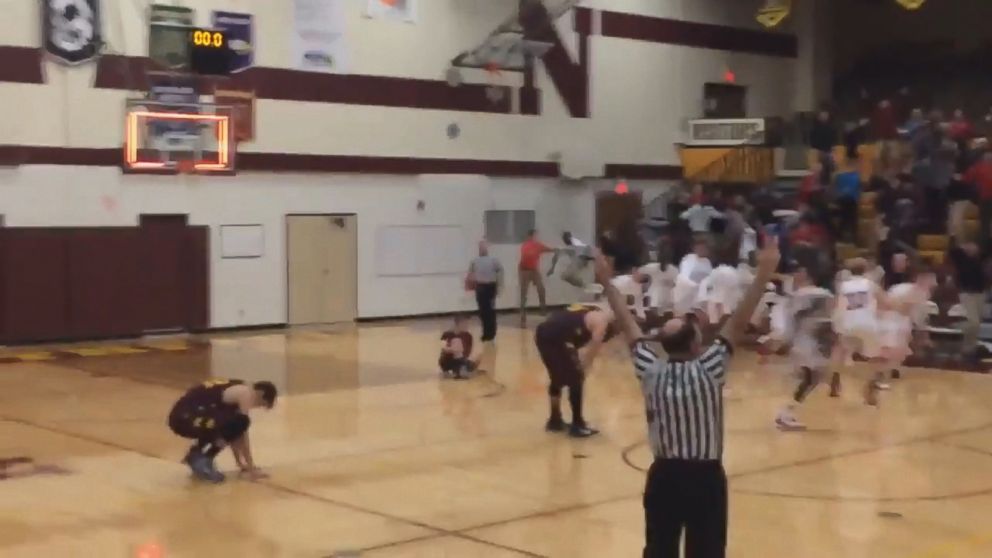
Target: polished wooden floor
{"points": [[371, 455]]}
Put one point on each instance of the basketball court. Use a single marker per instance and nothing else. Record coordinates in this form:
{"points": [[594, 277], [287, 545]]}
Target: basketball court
{"points": [[371, 455]]}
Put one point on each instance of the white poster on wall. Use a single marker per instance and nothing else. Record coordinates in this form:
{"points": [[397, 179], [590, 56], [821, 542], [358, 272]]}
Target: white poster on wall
{"points": [[397, 10], [318, 36]]}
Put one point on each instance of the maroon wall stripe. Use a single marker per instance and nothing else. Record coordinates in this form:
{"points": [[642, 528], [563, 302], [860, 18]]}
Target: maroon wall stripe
{"points": [[128, 73], [301, 162], [14, 155], [286, 162], [701, 35], [643, 172], [20, 65]]}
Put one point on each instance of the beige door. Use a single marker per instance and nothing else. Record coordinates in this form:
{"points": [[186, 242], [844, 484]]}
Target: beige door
{"points": [[322, 264]]}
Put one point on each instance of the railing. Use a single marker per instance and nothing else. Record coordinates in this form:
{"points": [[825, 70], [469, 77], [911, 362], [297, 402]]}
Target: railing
{"points": [[747, 163]]}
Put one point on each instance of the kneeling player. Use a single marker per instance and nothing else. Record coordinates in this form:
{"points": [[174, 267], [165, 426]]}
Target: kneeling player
{"points": [[559, 339], [456, 351], [215, 414]]}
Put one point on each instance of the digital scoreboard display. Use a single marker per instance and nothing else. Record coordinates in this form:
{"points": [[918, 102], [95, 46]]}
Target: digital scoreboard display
{"points": [[209, 52]]}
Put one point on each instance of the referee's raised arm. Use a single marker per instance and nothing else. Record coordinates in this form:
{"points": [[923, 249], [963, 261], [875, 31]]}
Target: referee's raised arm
{"points": [[626, 323]]}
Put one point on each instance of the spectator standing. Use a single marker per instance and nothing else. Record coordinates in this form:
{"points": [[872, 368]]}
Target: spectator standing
{"points": [[980, 176], [486, 274], [960, 129], [855, 134], [847, 186], [700, 218], [822, 138], [941, 174], [969, 274], [736, 224], [885, 127], [529, 269], [915, 121]]}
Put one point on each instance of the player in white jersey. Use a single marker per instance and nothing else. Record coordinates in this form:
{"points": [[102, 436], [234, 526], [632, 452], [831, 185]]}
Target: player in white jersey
{"points": [[856, 321], [720, 292], [579, 255], [905, 310], [632, 288], [809, 331], [661, 282]]}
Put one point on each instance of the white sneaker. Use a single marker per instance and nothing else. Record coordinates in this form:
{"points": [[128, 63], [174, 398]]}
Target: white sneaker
{"points": [[883, 385], [788, 422]]}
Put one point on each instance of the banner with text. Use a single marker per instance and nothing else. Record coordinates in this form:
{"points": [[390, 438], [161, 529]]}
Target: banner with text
{"points": [[240, 31], [319, 39]]}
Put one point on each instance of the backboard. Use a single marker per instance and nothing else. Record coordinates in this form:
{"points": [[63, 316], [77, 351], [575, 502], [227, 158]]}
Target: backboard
{"points": [[169, 138]]}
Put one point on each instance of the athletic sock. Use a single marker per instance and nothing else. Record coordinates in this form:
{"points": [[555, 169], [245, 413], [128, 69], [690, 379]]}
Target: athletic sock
{"points": [[209, 449], [575, 400]]}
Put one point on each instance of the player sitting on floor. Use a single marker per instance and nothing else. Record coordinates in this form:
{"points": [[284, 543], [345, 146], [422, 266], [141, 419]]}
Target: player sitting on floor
{"points": [[456, 351]]}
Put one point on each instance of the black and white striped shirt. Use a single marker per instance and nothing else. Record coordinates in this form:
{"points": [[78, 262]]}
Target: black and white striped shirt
{"points": [[684, 401]]}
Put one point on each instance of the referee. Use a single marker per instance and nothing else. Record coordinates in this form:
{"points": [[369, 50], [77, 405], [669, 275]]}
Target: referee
{"points": [[683, 394]]}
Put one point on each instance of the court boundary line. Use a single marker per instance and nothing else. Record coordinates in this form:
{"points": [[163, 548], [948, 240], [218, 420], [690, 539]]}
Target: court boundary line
{"points": [[933, 438], [437, 532], [463, 533]]}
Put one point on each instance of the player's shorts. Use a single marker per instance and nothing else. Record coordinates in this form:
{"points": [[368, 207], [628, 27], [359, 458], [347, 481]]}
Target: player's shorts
{"points": [[451, 363], [809, 356], [779, 322], [199, 422], [894, 329], [859, 334], [561, 359]]}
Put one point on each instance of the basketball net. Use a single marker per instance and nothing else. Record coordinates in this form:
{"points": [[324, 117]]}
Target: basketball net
{"points": [[773, 12], [911, 4]]}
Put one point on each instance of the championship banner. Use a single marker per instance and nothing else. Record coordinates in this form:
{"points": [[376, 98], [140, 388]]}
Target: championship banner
{"points": [[240, 31], [318, 36], [71, 29], [172, 89], [773, 12], [167, 35], [242, 104], [397, 10]]}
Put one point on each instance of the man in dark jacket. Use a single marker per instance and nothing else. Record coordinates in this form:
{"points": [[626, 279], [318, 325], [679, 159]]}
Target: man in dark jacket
{"points": [[822, 138]]}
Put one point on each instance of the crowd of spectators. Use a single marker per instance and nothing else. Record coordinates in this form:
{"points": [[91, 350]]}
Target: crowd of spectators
{"points": [[927, 173]]}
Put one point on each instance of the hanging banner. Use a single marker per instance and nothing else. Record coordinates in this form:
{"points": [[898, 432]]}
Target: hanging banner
{"points": [[168, 40], [242, 104], [911, 4], [319, 42], [240, 31], [397, 10], [774, 12], [71, 30]]}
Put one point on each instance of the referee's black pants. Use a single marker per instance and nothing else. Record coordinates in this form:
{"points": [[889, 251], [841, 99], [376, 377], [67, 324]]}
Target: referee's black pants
{"points": [[689, 495], [485, 297]]}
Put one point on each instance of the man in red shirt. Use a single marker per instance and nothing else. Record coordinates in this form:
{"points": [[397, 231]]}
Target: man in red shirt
{"points": [[530, 261], [980, 176]]}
